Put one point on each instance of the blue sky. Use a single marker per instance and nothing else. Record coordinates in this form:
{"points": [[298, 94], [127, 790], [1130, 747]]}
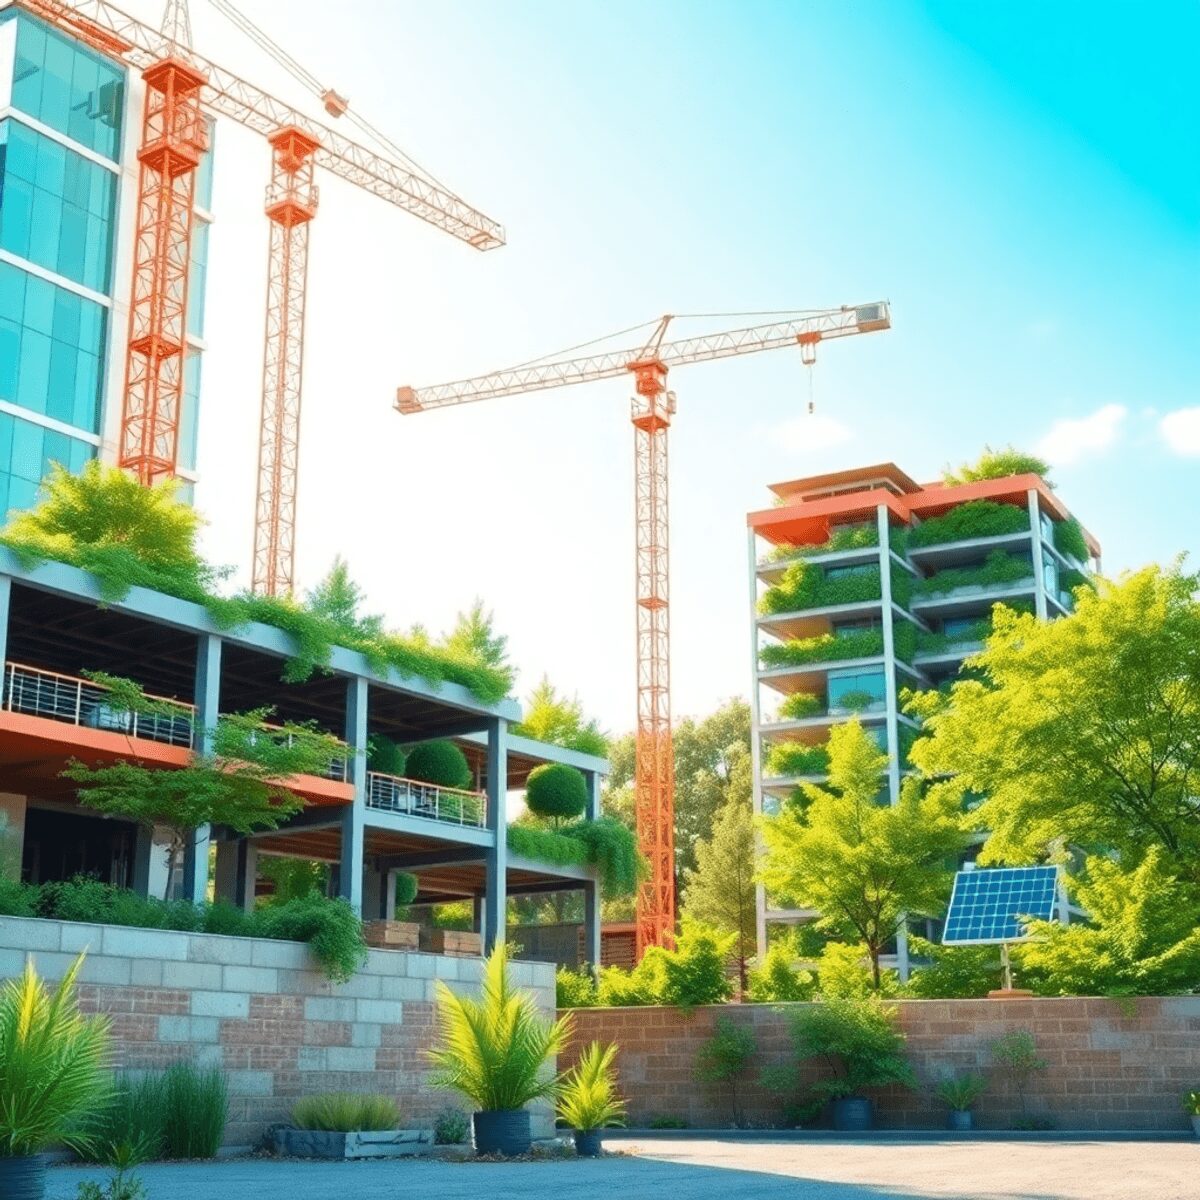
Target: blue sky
{"points": [[1020, 180]]}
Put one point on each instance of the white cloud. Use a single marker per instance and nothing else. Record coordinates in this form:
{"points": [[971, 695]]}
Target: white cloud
{"points": [[1181, 431], [811, 432], [1070, 440]]}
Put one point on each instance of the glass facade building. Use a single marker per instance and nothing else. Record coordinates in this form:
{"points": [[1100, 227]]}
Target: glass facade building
{"points": [[64, 202]]}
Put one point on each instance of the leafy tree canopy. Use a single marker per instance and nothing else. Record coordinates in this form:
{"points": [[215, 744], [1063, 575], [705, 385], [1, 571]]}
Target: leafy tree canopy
{"points": [[862, 864], [558, 720], [996, 464], [339, 600], [1084, 730], [474, 639]]}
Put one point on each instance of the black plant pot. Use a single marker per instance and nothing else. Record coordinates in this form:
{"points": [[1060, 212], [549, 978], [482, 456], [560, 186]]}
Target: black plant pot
{"points": [[852, 1114], [505, 1132], [960, 1119], [588, 1143], [23, 1178]]}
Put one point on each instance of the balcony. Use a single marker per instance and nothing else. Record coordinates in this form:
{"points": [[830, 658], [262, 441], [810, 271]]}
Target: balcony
{"points": [[411, 797], [37, 693]]}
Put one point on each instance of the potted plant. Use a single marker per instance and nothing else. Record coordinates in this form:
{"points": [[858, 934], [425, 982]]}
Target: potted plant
{"points": [[959, 1093], [494, 1051], [1191, 1103], [859, 1040], [588, 1101], [52, 1071], [345, 1125]]}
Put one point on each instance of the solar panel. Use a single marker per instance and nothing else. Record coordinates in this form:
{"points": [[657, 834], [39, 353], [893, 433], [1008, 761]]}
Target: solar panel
{"points": [[987, 906]]}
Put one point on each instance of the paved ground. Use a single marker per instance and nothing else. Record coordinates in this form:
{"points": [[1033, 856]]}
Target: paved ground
{"points": [[716, 1170]]}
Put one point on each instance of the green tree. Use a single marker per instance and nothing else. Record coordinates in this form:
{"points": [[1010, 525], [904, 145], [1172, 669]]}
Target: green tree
{"points": [[724, 1059], [236, 783], [339, 600], [474, 639], [997, 464], [552, 718], [719, 890], [1142, 936], [1084, 730], [861, 864]]}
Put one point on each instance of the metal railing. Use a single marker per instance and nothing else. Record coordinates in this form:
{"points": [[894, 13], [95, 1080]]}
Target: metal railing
{"points": [[392, 793], [338, 769], [75, 701]]}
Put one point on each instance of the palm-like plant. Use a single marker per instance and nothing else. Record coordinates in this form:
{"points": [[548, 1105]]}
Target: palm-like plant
{"points": [[588, 1099], [493, 1050], [52, 1062], [960, 1092]]}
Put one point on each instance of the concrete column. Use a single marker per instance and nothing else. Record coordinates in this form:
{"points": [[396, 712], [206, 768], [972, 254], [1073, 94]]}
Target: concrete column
{"points": [[477, 915], [350, 876], [760, 892], [143, 849], [247, 874], [388, 899], [5, 603], [889, 656], [592, 779], [495, 898], [591, 925], [207, 699], [1035, 549], [225, 873], [373, 892]]}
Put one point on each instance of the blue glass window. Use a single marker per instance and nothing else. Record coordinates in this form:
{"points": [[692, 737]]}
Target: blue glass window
{"points": [[843, 683], [26, 454], [56, 207], [197, 278], [68, 87], [204, 173], [189, 411], [51, 349]]}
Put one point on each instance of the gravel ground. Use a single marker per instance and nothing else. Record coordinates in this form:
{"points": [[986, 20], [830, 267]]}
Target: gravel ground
{"points": [[694, 1169]]}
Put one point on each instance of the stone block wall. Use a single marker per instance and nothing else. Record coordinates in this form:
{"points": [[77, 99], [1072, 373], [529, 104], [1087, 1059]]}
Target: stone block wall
{"points": [[1111, 1066], [262, 1012]]}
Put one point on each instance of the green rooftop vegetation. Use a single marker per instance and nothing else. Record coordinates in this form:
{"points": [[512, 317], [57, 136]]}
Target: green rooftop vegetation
{"points": [[975, 519], [998, 464]]}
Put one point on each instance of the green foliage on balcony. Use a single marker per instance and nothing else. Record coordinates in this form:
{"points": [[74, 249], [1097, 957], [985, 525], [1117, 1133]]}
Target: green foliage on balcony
{"points": [[997, 570], [849, 537], [998, 464], [1070, 579], [1069, 539], [975, 519], [904, 639], [939, 643], [790, 758], [607, 844], [799, 652], [799, 705], [902, 586], [806, 586]]}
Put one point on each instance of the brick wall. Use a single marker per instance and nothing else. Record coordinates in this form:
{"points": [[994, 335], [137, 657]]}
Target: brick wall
{"points": [[1107, 1070], [259, 1010]]}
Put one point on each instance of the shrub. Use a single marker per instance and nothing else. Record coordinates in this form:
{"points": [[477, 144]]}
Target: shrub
{"points": [[441, 763], [574, 989], [450, 1127], [799, 705], [385, 755], [1069, 540], [846, 537], [975, 519], [960, 1092], [694, 972], [792, 758], [407, 886], [724, 1058], [127, 1127], [17, 899], [607, 844], [346, 1112], [493, 1050], [52, 1062], [904, 637], [799, 652], [619, 988], [195, 1108], [1016, 1055], [805, 585], [330, 927], [1191, 1103], [998, 464], [777, 980], [844, 972], [952, 972], [856, 701], [999, 568], [588, 1099], [859, 1038], [556, 792], [665, 1121]]}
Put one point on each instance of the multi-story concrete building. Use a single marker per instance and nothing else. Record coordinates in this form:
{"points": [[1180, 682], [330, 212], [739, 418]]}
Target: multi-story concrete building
{"points": [[865, 583], [69, 127]]}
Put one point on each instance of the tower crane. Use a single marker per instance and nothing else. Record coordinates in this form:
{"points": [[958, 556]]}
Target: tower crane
{"points": [[652, 408], [180, 86]]}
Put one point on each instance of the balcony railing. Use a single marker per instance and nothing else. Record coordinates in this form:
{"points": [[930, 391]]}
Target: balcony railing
{"points": [[391, 793], [338, 768], [80, 702]]}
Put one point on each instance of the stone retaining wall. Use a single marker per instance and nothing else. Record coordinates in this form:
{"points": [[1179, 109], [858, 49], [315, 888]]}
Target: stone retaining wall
{"points": [[259, 1010], [1111, 1066]]}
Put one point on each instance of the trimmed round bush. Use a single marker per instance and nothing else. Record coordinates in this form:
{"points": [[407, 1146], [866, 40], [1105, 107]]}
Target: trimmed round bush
{"points": [[556, 792], [441, 763], [406, 888], [384, 756]]}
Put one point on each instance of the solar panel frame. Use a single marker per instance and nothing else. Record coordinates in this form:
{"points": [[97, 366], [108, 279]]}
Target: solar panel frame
{"points": [[985, 904]]}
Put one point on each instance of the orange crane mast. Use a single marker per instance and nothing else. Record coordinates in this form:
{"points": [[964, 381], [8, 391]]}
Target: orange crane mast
{"points": [[181, 86], [651, 411]]}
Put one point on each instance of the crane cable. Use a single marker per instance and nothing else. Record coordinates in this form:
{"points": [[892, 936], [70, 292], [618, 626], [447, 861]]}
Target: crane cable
{"points": [[304, 76]]}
